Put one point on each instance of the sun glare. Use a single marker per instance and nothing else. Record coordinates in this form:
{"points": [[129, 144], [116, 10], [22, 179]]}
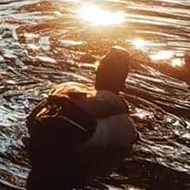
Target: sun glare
{"points": [[98, 16], [161, 55], [139, 43]]}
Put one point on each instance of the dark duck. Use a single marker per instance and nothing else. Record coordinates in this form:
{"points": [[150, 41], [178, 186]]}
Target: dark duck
{"points": [[77, 132]]}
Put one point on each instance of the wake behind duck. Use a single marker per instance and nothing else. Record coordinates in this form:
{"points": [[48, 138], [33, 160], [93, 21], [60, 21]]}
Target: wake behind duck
{"points": [[77, 132]]}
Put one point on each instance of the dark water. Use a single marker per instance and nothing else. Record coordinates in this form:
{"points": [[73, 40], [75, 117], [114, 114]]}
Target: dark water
{"points": [[47, 42]]}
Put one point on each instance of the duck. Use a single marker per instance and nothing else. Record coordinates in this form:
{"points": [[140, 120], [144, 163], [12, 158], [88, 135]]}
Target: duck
{"points": [[77, 131]]}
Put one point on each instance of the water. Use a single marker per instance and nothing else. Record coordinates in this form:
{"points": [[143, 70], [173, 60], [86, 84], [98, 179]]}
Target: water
{"points": [[48, 42]]}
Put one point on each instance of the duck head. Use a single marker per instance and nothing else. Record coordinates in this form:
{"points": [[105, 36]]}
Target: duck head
{"points": [[113, 70]]}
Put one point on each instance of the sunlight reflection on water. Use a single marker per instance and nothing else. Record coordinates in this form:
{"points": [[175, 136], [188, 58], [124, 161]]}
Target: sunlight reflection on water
{"points": [[161, 55], [99, 16], [139, 43], [177, 62], [56, 40]]}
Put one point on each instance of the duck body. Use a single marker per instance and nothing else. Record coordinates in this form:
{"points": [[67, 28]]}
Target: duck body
{"points": [[75, 134]]}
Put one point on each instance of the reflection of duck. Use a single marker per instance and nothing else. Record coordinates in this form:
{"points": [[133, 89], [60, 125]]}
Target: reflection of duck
{"points": [[75, 132]]}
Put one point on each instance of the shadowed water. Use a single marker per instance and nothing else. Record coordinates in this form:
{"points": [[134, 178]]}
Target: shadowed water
{"points": [[48, 42]]}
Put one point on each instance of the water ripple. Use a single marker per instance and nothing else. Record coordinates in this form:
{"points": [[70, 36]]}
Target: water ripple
{"points": [[45, 42]]}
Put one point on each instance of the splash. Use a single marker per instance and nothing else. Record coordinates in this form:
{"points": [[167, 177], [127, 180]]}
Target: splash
{"points": [[99, 16]]}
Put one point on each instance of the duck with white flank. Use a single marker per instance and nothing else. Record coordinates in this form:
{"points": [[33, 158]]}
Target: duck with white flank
{"points": [[76, 132]]}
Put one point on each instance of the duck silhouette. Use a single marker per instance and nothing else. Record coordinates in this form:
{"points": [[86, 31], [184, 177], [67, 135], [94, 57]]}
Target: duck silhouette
{"points": [[78, 131]]}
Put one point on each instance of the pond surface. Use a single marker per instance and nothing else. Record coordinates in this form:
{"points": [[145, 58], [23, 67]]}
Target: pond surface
{"points": [[47, 42]]}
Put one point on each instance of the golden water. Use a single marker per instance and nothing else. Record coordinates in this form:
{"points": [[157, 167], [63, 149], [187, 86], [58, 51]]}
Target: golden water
{"points": [[47, 42]]}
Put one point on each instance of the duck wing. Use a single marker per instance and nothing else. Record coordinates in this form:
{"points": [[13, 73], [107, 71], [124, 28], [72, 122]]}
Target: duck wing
{"points": [[57, 121]]}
